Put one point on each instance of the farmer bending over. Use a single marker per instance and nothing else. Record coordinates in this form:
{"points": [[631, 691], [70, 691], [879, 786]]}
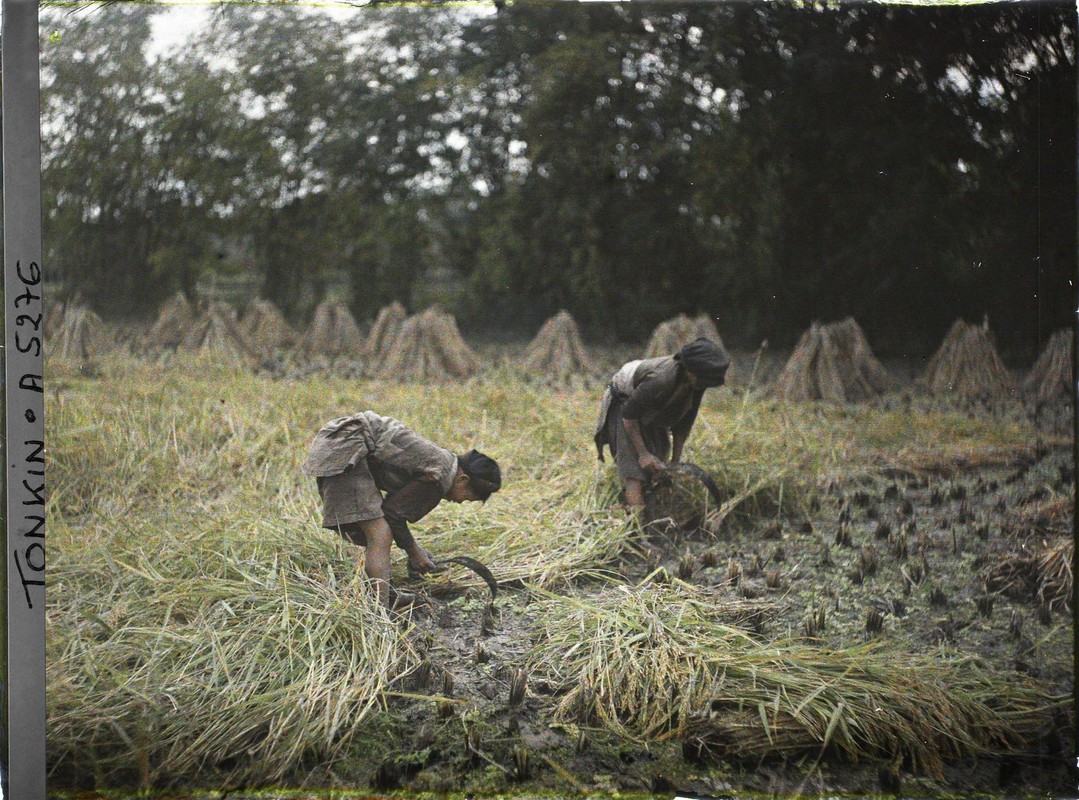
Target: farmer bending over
{"points": [[647, 403], [356, 458]]}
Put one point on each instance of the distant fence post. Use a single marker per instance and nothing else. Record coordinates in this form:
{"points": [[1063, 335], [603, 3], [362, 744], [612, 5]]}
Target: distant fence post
{"points": [[23, 750]]}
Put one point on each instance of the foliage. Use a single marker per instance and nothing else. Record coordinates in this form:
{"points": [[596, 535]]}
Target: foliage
{"points": [[140, 160], [768, 164]]}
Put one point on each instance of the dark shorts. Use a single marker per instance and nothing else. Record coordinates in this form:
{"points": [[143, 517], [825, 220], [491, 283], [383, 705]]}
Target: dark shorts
{"points": [[656, 440], [349, 497]]}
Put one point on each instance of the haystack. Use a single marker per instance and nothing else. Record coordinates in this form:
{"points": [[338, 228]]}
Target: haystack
{"points": [[265, 328], [704, 325], [384, 331], [1051, 377], [671, 335], [429, 346], [832, 362], [217, 331], [967, 365], [81, 336], [333, 332], [557, 350], [173, 323]]}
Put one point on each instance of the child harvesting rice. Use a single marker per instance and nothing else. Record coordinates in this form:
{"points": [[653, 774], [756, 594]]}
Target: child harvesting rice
{"points": [[356, 458], [649, 402]]}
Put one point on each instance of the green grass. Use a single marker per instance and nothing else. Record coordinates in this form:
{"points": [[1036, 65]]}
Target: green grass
{"points": [[201, 622]]}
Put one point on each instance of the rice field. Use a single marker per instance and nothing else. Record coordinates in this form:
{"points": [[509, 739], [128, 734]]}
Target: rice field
{"points": [[205, 632]]}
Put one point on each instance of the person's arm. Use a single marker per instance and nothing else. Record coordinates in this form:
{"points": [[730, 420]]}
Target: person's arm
{"points": [[680, 431], [647, 461], [410, 503], [402, 536], [419, 560]]}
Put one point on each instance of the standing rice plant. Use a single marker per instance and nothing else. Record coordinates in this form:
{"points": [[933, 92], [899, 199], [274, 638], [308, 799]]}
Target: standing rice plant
{"points": [[214, 439], [664, 662]]}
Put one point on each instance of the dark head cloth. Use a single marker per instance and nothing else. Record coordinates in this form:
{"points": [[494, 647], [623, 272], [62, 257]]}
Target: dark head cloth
{"points": [[707, 360], [483, 473]]}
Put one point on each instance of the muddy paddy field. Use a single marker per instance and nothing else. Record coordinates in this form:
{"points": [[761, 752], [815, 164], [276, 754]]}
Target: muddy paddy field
{"points": [[881, 604]]}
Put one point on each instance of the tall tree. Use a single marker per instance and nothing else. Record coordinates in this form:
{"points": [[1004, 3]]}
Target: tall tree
{"points": [[768, 163], [139, 159]]}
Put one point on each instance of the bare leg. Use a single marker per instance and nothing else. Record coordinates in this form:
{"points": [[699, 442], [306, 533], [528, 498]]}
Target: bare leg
{"points": [[377, 568], [634, 494]]}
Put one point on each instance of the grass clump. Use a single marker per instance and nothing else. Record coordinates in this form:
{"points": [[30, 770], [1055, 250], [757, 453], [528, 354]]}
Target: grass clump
{"points": [[662, 663], [176, 656], [1043, 575]]}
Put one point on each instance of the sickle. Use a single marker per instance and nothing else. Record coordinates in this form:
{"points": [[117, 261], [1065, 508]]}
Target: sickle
{"points": [[477, 567], [701, 475]]}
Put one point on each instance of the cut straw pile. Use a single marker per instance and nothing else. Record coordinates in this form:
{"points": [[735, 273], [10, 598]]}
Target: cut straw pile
{"points": [[265, 328], [1051, 377], [967, 365], [429, 347], [1052, 515], [81, 336], [54, 317], [198, 654], [173, 322], [556, 351], [1043, 576], [665, 662], [1053, 571], [216, 332], [670, 335], [333, 332], [834, 363], [384, 331]]}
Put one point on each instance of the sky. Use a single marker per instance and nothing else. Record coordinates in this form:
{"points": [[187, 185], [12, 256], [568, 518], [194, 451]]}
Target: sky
{"points": [[185, 18], [178, 24]]}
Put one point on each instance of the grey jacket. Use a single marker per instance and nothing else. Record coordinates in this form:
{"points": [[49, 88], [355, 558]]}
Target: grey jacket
{"points": [[395, 454], [653, 392]]}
